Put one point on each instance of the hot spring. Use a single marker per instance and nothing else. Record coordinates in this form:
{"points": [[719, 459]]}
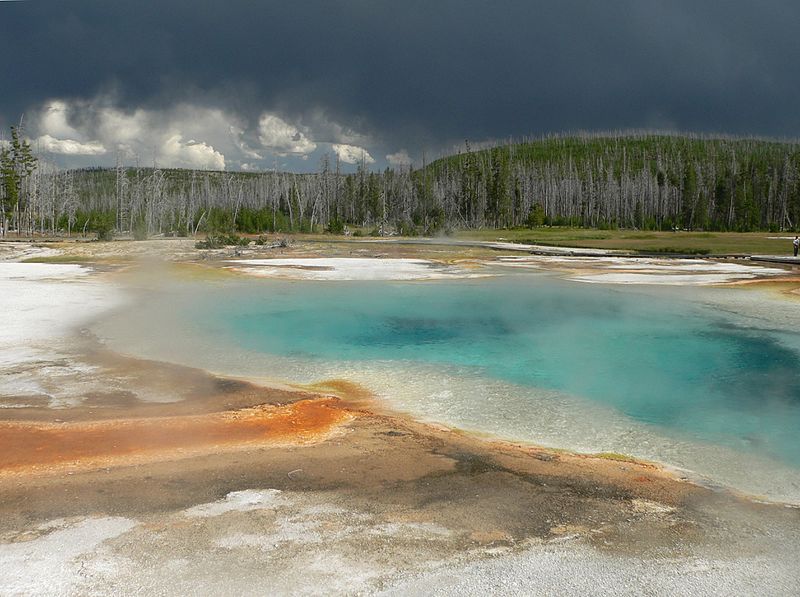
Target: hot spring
{"points": [[703, 380]]}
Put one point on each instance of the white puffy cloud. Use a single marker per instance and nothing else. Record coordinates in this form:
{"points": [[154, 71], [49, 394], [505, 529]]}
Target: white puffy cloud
{"points": [[186, 135], [352, 154], [329, 131], [96, 127], [50, 144], [399, 159], [282, 138], [237, 134], [123, 130], [161, 135], [54, 120], [190, 154], [59, 136]]}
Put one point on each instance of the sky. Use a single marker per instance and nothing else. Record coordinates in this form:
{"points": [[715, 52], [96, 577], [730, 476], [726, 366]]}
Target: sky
{"points": [[258, 85]]}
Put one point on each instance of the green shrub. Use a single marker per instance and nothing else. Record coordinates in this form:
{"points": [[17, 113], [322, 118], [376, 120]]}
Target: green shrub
{"points": [[219, 241], [140, 230], [219, 221], [536, 216], [680, 250], [102, 224], [336, 226], [407, 228]]}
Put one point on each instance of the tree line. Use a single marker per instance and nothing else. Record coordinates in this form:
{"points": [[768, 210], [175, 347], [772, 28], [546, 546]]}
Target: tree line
{"points": [[646, 181]]}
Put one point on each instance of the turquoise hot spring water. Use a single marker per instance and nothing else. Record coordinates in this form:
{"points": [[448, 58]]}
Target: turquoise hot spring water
{"points": [[695, 378]]}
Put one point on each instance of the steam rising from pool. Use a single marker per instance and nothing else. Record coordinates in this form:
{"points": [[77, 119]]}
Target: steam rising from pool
{"points": [[697, 379]]}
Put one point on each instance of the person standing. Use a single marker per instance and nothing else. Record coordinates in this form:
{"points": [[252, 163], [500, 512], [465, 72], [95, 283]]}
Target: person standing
{"points": [[796, 245]]}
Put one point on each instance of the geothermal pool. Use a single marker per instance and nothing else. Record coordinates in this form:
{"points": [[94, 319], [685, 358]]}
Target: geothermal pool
{"points": [[706, 380]]}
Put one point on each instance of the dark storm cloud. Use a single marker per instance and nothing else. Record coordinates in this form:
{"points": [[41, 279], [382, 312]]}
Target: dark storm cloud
{"points": [[420, 73]]}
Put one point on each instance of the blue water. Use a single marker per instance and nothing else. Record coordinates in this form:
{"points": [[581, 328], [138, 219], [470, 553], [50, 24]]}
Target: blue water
{"points": [[659, 360]]}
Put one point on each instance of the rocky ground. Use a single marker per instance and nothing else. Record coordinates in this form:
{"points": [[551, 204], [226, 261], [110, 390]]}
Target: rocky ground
{"points": [[124, 476]]}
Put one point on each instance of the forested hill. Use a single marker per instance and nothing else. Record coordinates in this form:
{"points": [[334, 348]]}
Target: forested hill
{"points": [[628, 181], [641, 181]]}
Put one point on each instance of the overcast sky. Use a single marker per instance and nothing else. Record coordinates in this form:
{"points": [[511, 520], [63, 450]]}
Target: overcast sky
{"points": [[246, 84]]}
